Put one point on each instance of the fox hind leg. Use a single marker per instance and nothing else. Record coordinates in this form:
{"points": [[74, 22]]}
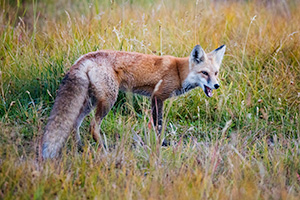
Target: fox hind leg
{"points": [[87, 107], [105, 87], [103, 107]]}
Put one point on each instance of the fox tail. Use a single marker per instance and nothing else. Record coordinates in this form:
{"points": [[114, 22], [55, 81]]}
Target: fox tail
{"points": [[70, 98]]}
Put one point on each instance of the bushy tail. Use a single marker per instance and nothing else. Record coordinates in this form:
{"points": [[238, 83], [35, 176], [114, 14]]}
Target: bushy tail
{"points": [[70, 98]]}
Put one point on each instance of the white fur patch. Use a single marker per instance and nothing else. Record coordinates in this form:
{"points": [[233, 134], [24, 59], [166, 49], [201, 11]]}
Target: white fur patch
{"points": [[157, 86]]}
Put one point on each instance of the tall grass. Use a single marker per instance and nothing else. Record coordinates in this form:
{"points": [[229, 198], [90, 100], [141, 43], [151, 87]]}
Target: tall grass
{"points": [[241, 144]]}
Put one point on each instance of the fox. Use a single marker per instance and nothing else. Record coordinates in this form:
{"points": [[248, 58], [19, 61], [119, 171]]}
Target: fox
{"points": [[95, 79]]}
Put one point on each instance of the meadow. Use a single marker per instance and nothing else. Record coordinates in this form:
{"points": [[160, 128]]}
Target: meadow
{"points": [[243, 143]]}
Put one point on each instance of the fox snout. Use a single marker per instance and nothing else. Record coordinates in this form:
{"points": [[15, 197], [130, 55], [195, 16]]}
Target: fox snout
{"points": [[216, 86]]}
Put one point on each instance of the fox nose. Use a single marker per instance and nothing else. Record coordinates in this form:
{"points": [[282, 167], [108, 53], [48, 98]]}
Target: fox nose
{"points": [[217, 86]]}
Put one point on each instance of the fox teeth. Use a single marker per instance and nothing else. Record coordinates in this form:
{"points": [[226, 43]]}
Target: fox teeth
{"points": [[208, 91]]}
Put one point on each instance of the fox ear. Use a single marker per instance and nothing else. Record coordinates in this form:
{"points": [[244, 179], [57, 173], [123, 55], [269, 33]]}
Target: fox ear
{"points": [[219, 54], [197, 54]]}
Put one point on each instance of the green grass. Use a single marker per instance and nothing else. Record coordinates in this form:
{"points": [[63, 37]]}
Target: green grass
{"points": [[243, 143]]}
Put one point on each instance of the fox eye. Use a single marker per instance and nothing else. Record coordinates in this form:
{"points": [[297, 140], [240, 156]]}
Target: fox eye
{"points": [[205, 73], [216, 73]]}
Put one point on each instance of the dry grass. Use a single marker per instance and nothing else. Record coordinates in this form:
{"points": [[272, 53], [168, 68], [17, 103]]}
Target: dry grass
{"points": [[241, 144]]}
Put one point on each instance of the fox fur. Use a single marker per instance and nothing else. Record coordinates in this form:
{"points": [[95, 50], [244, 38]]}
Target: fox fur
{"points": [[93, 82]]}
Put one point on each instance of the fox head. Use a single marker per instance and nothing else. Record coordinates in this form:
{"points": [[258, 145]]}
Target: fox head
{"points": [[204, 69]]}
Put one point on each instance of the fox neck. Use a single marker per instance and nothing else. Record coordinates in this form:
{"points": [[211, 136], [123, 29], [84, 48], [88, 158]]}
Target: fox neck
{"points": [[183, 68], [183, 72]]}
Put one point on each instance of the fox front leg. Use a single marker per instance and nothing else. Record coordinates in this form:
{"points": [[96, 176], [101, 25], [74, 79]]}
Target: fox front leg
{"points": [[157, 113]]}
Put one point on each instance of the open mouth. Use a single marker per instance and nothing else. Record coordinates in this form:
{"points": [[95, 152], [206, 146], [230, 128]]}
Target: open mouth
{"points": [[208, 91]]}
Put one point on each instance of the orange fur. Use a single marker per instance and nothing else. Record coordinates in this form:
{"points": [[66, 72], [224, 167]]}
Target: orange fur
{"points": [[96, 78]]}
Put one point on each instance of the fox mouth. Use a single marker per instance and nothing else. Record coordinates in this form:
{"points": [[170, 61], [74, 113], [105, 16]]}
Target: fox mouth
{"points": [[208, 91]]}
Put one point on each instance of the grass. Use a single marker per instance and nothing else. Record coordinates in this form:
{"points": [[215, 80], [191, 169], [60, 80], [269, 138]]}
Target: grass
{"points": [[241, 144]]}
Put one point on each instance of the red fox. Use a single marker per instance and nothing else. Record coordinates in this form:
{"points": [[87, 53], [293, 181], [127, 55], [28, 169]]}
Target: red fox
{"points": [[96, 78]]}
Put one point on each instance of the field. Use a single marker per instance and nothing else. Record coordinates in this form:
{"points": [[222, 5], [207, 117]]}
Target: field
{"points": [[243, 143]]}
